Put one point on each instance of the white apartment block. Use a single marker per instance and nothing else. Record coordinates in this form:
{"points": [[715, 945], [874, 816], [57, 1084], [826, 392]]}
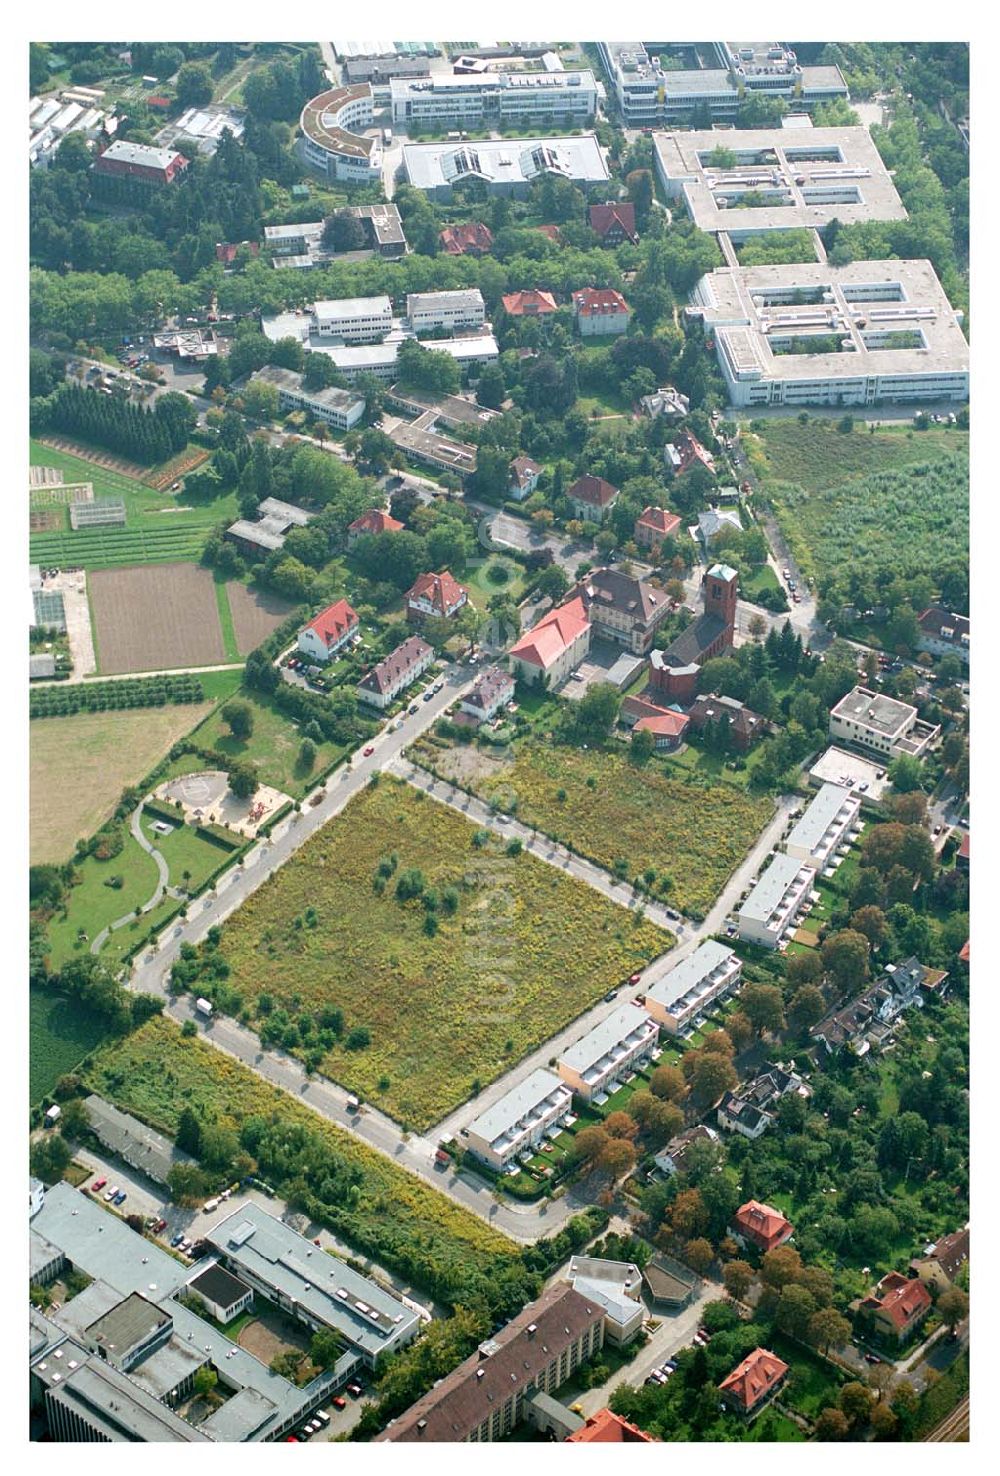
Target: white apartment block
{"points": [[451, 310], [774, 179], [883, 724], [336, 407], [694, 984], [812, 334], [534, 98], [825, 826], [353, 319], [775, 902], [519, 1120], [596, 1063]]}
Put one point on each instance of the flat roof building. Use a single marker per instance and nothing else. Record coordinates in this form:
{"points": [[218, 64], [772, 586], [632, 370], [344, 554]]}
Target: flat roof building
{"points": [[519, 1120], [827, 822], [812, 334], [471, 100], [617, 1287], [377, 358], [337, 407], [880, 723], [774, 903], [463, 308], [353, 319], [505, 166], [693, 984], [334, 142], [598, 1061], [776, 179], [850, 771]]}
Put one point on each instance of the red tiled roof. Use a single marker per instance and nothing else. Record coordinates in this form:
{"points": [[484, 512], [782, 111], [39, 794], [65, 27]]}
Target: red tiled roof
{"points": [[225, 251], [333, 623], [545, 642], [590, 300], [761, 1220], [754, 1378], [552, 231], [663, 724], [607, 1429], [658, 520], [440, 589], [604, 217], [529, 304], [963, 849], [472, 236], [594, 490], [375, 521], [901, 1298], [964, 953], [640, 707], [691, 450]]}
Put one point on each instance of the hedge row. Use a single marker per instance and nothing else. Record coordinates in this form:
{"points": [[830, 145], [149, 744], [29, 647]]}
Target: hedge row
{"points": [[155, 691]]}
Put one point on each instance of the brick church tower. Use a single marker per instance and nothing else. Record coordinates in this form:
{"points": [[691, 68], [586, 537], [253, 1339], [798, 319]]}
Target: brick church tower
{"points": [[720, 592]]}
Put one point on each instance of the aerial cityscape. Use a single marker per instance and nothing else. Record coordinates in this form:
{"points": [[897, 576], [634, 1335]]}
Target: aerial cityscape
{"points": [[499, 742]]}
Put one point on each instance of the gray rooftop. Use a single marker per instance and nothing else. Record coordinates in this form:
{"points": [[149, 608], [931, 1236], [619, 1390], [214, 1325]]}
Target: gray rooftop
{"points": [[765, 899], [517, 1103], [129, 1322], [124, 152], [629, 1019], [820, 815], [132, 1140], [690, 972], [875, 710], [352, 307], [367, 1316], [511, 160], [41, 1254], [103, 1246], [332, 396], [465, 297], [119, 1407]]}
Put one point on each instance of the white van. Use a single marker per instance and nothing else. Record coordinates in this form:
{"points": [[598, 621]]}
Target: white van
{"points": [[209, 1206], [204, 1007]]}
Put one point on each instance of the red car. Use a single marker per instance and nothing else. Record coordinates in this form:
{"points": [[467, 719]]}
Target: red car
{"points": [[338, 1402], [634, 978], [369, 751], [97, 1185]]}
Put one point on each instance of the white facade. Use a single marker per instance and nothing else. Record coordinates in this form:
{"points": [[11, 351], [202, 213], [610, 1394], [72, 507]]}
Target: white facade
{"points": [[334, 139], [775, 902], [883, 724], [337, 407], [393, 675], [428, 310], [519, 1120], [353, 319], [693, 985], [537, 99], [598, 1061], [824, 826]]}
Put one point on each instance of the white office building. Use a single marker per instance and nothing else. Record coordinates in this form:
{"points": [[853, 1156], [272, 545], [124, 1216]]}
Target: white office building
{"points": [[883, 724], [353, 319], [339, 408], [812, 334], [334, 138], [694, 984], [617, 1287], [595, 1065], [826, 824], [506, 166], [519, 1120], [775, 902], [537, 99], [451, 310]]}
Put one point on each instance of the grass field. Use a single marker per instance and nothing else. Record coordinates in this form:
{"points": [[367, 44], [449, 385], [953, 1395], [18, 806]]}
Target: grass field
{"points": [[154, 619], [62, 1033], [185, 851], [393, 1216], [525, 952], [274, 745], [160, 528], [813, 1384], [93, 904], [816, 455], [695, 832], [81, 764]]}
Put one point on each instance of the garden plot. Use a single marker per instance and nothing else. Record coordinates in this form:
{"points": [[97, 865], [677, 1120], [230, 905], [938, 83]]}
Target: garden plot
{"points": [[155, 618]]}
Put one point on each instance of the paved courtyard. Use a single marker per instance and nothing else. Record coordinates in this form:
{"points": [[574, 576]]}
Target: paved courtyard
{"points": [[207, 799]]}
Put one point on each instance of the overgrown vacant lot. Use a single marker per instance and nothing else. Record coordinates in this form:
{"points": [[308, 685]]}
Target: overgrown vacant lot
{"points": [[816, 455], [694, 833], [392, 1215], [525, 951], [81, 764], [154, 617]]}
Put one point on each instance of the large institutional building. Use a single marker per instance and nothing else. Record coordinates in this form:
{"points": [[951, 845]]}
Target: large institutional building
{"points": [[334, 141], [536, 99], [506, 166]]}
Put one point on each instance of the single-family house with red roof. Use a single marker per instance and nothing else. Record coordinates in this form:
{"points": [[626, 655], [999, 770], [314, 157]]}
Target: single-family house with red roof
{"points": [[653, 526], [762, 1226], [614, 222], [471, 239], [754, 1382], [667, 728], [524, 474], [895, 1309], [372, 522], [686, 452], [592, 498], [436, 597], [530, 304], [329, 633]]}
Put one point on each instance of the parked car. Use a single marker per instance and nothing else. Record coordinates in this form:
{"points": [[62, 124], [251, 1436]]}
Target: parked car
{"points": [[111, 1193], [175, 1240], [355, 1390], [369, 751], [322, 1415], [611, 994], [338, 1402], [120, 1197], [412, 708], [97, 1185]]}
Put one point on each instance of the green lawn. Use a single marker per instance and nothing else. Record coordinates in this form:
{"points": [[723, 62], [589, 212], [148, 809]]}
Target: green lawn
{"points": [[62, 1032], [229, 641], [525, 951], [91, 905], [812, 1383], [762, 579], [482, 588], [274, 745], [184, 850]]}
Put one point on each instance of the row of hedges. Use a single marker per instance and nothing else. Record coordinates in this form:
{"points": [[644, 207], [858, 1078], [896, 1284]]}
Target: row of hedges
{"points": [[156, 691]]}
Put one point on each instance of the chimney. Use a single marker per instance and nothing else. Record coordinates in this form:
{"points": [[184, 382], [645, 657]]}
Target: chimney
{"points": [[532, 1329], [421, 1426]]}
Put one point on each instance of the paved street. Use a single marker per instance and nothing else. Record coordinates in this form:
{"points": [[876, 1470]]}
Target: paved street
{"points": [[675, 1332]]}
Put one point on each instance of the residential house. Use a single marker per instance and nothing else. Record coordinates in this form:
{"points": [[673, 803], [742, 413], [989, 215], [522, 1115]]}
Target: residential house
{"points": [[686, 452], [750, 1109], [471, 239], [761, 1226], [524, 474], [530, 304], [330, 631], [385, 681], [962, 855], [485, 1397], [754, 1382], [774, 904], [743, 726], [614, 222], [668, 729], [617, 1287], [866, 1021], [435, 596], [595, 1065], [653, 526], [692, 985], [493, 690], [941, 1262], [634, 708], [895, 1310], [672, 1157], [880, 723], [520, 1120], [854, 1026], [714, 521], [550, 650], [622, 608], [605, 1428], [828, 823], [673, 672], [600, 311], [943, 633], [667, 401], [592, 498], [372, 522]]}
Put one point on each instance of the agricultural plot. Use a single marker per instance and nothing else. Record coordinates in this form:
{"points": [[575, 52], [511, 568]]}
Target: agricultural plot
{"points": [[692, 832], [152, 619], [62, 1031], [81, 764], [516, 950], [256, 613]]}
